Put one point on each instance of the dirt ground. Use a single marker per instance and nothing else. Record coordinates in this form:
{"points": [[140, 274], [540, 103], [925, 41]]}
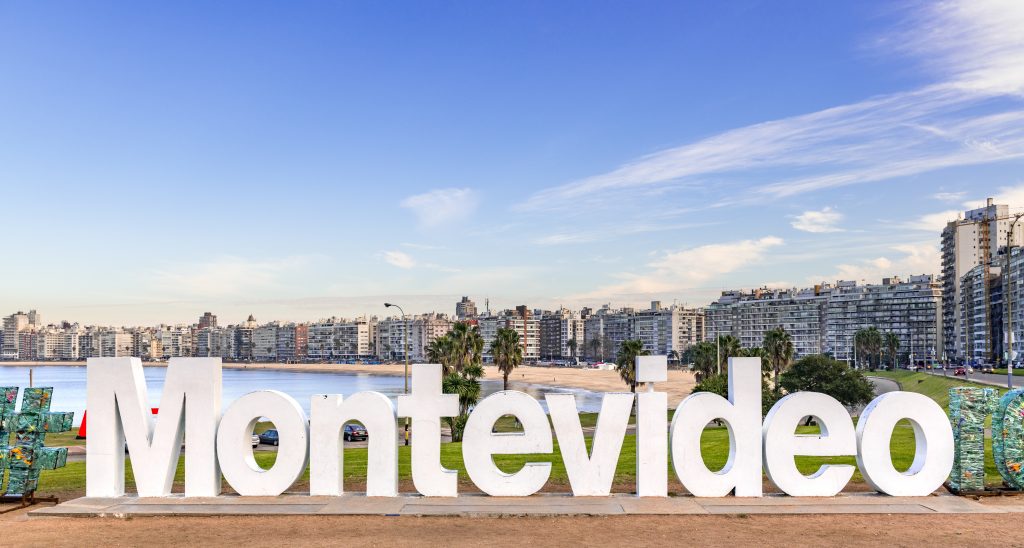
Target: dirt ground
{"points": [[824, 530]]}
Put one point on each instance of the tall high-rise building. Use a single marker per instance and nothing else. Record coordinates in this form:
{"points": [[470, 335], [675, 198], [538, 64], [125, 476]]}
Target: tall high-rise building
{"points": [[980, 313], [973, 240], [465, 309], [14, 324], [207, 320]]}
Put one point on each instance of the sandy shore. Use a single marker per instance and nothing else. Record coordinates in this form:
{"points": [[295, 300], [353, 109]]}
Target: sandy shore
{"points": [[679, 383]]}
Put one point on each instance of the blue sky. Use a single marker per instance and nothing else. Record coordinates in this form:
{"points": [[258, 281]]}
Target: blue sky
{"points": [[302, 160]]}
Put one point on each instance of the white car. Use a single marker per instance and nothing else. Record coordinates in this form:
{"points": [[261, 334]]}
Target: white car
{"points": [[255, 441]]}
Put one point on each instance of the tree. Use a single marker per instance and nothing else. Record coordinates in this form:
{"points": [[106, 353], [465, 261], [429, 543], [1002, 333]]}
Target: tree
{"points": [[868, 343], [460, 353], [595, 347], [892, 345], [820, 373], [571, 343], [466, 385], [440, 351], [778, 346], [467, 345], [507, 352], [719, 384], [625, 361], [728, 347], [704, 358]]}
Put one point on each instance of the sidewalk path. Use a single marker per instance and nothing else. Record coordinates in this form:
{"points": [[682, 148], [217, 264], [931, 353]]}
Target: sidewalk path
{"points": [[536, 505]]}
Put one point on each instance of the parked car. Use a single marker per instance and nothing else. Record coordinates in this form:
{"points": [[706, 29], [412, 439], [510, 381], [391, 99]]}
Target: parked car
{"points": [[960, 371], [354, 432], [255, 441], [270, 437]]}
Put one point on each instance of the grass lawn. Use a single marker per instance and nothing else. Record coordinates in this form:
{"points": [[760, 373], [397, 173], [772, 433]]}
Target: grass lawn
{"points": [[714, 443], [933, 386], [1016, 372]]}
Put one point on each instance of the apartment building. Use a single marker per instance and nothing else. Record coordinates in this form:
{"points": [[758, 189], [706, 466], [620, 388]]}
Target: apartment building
{"points": [[666, 330], [972, 240], [115, 344], [339, 339], [561, 334], [465, 309], [425, 329], [981, 315], [292, 342], [912, 309], [13, 325], [749, 315], [392, 338], [264, 342]]}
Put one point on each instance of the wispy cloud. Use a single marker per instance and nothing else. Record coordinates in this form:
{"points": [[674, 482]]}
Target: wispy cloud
{"points": [[398, 259], [816, 222], [949, 196], [932, 222], [687, 268], [442, 206], [972, 115]]}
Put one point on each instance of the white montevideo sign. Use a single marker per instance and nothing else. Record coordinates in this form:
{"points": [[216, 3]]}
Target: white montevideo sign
{"points": [[219, 445]]}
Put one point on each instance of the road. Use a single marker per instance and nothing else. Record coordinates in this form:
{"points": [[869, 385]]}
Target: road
{"points": [[985, 378]]}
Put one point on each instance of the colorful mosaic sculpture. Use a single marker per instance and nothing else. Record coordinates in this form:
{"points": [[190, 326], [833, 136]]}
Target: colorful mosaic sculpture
{"points": [[1008, 438], [28, 456], [968, 409]]}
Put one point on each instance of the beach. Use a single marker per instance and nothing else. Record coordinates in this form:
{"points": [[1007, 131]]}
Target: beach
{"points": [[679, 385]]}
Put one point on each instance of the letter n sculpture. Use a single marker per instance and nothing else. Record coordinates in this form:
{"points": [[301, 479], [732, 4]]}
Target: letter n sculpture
{"points": [[27, 456]]}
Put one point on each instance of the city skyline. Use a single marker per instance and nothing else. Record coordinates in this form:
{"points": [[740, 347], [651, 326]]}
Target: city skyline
{"points": [[663, 153]]}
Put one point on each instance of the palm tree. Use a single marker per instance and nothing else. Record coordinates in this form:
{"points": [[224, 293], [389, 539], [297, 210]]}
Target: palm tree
{"points": [[571, 343], [466, 385], [595, 347], [507, 352], [440, 351], [730, 347], [778, 346], [673, 356], [625, 361], [704, 359], [467, 346], [892, 345], [868, 342]]}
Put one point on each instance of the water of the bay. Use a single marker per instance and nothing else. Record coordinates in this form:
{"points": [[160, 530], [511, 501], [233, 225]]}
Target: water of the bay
{"points": [[68, 384]]}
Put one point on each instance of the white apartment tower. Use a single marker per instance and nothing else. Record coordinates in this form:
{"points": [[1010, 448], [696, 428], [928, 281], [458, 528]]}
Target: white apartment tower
{"points": [[973, 240]]}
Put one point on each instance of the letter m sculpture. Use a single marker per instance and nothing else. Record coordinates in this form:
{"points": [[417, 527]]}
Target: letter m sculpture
{"points": [[28, 456]]}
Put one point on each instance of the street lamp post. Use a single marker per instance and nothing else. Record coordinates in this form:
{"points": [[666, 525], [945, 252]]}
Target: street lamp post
{"points": [[1008, 295], [405, 350]]}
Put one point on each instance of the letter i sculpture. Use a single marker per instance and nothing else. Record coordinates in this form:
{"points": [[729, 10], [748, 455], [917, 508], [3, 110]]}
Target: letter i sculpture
{"points": [[28, 456]]}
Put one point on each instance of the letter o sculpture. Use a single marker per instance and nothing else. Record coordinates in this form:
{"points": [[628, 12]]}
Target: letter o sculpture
{"points": [[933, 435], [234, 443]]}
